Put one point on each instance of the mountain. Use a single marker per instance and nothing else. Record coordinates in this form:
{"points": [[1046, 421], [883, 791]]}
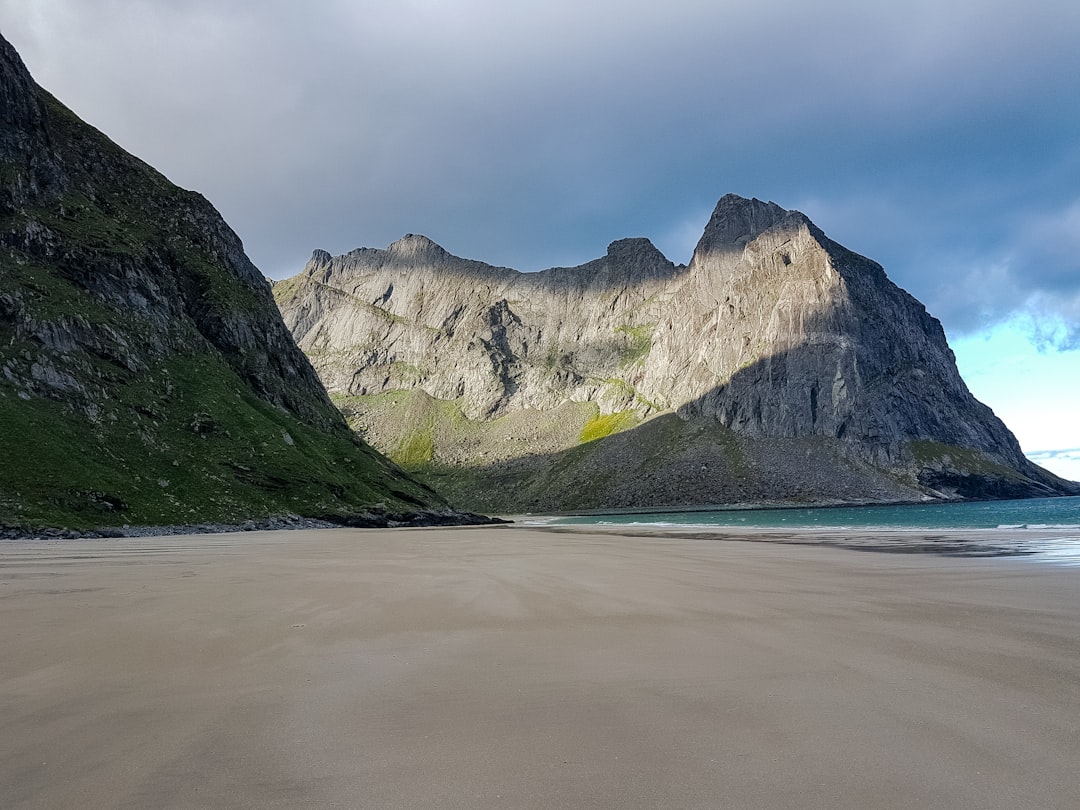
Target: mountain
{"points": [[145, 374], [776, 366]]}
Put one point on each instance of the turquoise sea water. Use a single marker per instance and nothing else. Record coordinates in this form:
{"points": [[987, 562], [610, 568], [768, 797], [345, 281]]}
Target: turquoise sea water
{"points": [[1036, 513], [1047, 528]]}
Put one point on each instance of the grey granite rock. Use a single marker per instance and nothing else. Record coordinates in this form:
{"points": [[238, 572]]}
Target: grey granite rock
{"points": [[773, 330]]}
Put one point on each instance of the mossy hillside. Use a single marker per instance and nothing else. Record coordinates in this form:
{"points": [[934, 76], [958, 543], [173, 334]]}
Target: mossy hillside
{"points": [[589, 460], [147, 377], [603, 425], [148, 439], [115, 231], [37, 293], [932, 453], [183, 442], [408, 425], [416, 449], [416, 430], [137, 239], [926, 451], [289, 288], [678, 458]]}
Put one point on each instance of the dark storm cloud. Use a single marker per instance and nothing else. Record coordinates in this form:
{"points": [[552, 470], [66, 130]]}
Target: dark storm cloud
{"points": [[940, 139]]}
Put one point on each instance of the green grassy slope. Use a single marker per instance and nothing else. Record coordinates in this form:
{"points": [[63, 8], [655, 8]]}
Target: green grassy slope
{"points": [[145, 374], [575, 458], [183, 442]]}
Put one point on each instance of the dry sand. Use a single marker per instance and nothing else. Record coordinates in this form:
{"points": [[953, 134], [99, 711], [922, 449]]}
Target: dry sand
{"points": [[514, 667]]}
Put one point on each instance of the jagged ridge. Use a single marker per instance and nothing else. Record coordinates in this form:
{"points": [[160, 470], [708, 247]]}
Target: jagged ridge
{"points": [[773, 332]]}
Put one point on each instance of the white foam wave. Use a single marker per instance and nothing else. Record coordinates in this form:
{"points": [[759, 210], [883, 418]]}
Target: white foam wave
{"points": [[1039, 526]]}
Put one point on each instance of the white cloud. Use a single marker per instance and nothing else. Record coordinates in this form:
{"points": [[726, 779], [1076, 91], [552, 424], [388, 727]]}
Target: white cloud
{"points": [[1065, 463], [527, 133], [1032, 277]]}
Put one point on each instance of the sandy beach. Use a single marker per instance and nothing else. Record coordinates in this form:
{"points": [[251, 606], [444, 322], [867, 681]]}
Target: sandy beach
{"points": [[518, 667]]}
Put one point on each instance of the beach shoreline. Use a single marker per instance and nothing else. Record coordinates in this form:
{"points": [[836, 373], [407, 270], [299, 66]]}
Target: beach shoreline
{"points": [[521, 666], [1062, 544]]}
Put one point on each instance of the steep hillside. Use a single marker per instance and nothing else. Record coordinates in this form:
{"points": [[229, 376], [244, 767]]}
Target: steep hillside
{"points": [[777, 366], [145, 374]]}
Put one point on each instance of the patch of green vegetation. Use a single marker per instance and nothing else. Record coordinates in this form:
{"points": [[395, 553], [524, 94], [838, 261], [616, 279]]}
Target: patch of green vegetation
{"points": [[326, 355], [392, 398], [449, 421], [406, 371], [382, 313], [225, 294], [184, 442], [48, 297], [652, 405], [639, 342], [926, 451], [185, 438], [603, 425], [621, 388], [411, 425], [399, 423], [93, 226], [286, 289], [745, 364], [416, 448], [733, 452]]}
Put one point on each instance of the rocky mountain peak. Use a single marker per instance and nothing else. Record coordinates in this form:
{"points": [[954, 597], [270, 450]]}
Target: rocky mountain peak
{"points": [[736, 221], [633, 246], [24, 140], [417, 247], [20, 111], [774, 337], [319, 265]]}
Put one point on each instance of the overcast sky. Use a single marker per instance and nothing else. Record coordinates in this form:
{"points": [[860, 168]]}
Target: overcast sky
{"points": [[940, 138]]}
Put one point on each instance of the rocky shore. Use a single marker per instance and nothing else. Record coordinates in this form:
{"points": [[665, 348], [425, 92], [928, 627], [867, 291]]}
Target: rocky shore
{"points": [[375, 518]]}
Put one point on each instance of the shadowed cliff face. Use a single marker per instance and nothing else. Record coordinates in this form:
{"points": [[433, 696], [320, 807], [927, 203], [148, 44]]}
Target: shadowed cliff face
{"points": [[773, 331], [145, 374], [844, 354], [530, 461]]}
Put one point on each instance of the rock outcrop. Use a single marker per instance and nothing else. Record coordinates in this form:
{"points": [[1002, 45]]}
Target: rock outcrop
{"points": [[145, 373], [816, 377]]}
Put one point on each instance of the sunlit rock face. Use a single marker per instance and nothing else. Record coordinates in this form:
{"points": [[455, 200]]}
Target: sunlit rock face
{"points": [[773, 331]]}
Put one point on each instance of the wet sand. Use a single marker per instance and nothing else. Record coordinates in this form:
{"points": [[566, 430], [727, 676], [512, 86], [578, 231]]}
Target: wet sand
{"points": [[516, 667]]}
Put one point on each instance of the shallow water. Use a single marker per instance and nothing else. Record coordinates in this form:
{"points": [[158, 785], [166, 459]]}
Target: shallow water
{"points": [[1046, 529]]}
